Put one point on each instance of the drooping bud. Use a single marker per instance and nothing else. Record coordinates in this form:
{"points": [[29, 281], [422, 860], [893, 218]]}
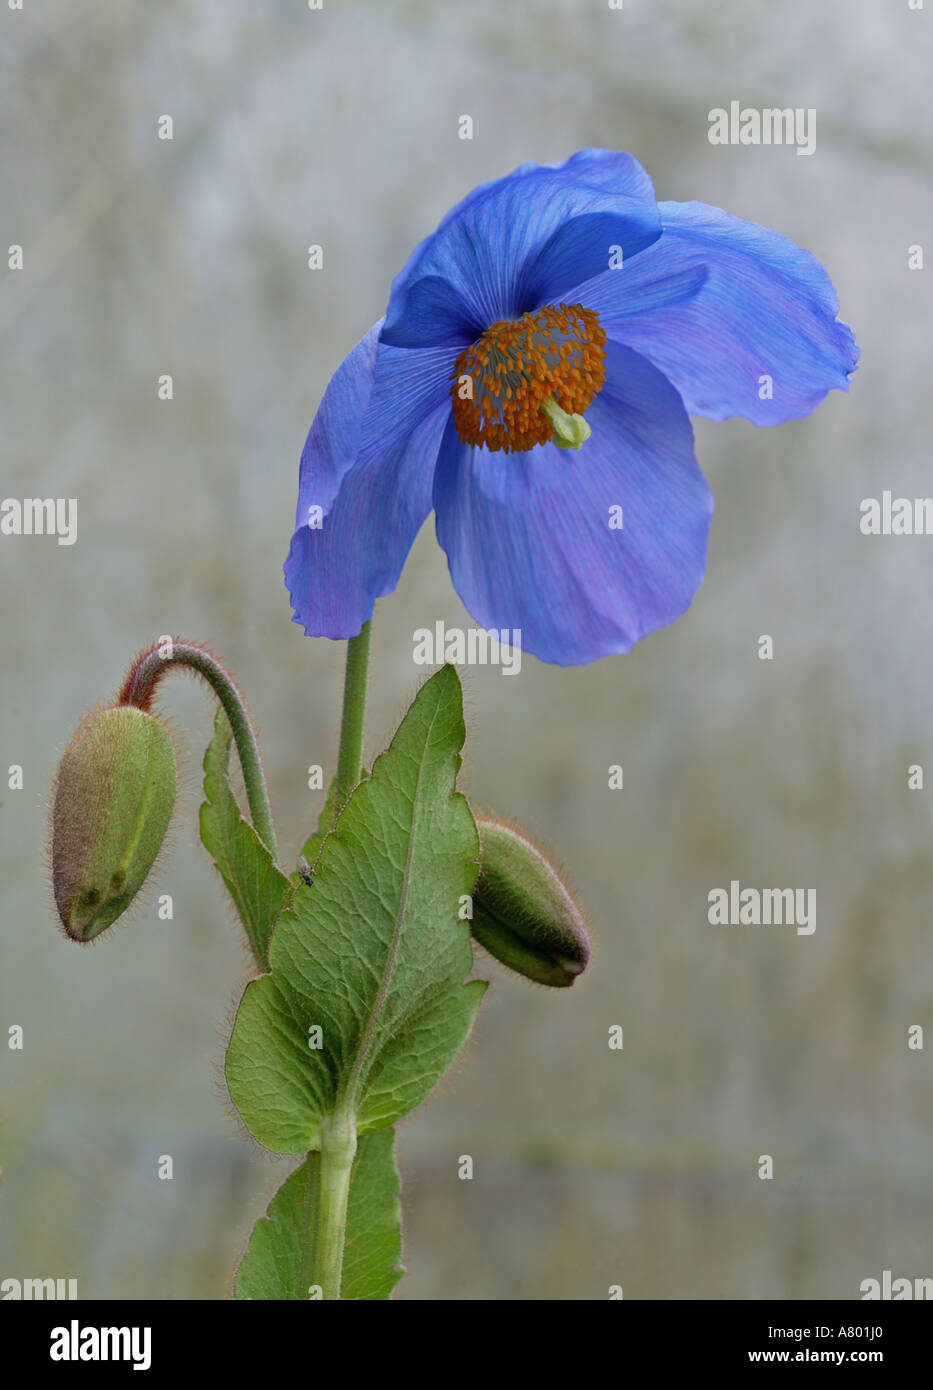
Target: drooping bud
{"points": [[113, 801], [522, 913]]}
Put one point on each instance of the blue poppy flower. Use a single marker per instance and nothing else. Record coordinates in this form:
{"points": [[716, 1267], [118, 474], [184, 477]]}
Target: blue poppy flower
{"points": [[532, 381]]}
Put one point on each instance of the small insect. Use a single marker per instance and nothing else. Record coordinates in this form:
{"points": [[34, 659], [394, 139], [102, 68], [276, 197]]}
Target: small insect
{"points": [[304, 869]]}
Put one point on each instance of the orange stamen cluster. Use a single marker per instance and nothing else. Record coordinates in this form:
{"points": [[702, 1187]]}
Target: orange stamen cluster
{"points": [[512, 369]]}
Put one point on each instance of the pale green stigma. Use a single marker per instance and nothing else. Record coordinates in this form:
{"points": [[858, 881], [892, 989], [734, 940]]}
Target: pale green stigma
{"points": [[567, 431]]}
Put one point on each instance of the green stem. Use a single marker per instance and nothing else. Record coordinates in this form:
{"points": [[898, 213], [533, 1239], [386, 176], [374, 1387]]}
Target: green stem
{"points": [[338, 1149], [338, 1140], [350, 756], [139, 688]]}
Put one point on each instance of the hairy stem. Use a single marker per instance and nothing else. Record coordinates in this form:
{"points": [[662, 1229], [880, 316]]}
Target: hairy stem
{"points": [[139, 687], [338, 1150], [350, 756], [338, 1142]]}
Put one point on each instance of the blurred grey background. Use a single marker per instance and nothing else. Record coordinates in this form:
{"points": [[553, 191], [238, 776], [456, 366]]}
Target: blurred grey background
{"points": [[142, 257]]}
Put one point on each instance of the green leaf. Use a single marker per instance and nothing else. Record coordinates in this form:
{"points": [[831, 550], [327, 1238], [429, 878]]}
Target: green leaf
{"points": [[279, 1259], [312, 847], [259, 889], [365, 1006]]}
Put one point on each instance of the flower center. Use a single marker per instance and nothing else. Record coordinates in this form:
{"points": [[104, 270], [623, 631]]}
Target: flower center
{"points": [[529, 380]]}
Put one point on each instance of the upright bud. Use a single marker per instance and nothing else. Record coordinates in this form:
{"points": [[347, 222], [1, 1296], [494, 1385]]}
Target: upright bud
{"points": [[522, 913], [113, 801]]}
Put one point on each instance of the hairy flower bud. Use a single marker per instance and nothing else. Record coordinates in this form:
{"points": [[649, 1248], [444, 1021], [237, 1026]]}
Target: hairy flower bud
{"points": [[113, 801], [522, 913]]}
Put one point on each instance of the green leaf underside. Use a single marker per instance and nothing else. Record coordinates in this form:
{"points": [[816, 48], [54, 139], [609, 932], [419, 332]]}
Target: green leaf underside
{"points": [[280, 1254], [372, 952], [259, 889]]}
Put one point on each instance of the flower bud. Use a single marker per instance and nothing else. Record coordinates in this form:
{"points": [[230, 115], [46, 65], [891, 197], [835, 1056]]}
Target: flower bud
{"points": [[113, 801], [522, 913]]}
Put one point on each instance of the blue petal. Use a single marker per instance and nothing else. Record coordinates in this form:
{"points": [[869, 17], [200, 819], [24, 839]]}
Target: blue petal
{"points": [[528, 536], [368, 465], [717, 304], [520, 242]]}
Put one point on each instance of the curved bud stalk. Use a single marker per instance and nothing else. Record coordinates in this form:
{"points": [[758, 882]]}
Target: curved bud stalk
{"points": [[169, 654], [522, 912], [114, 796]]}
